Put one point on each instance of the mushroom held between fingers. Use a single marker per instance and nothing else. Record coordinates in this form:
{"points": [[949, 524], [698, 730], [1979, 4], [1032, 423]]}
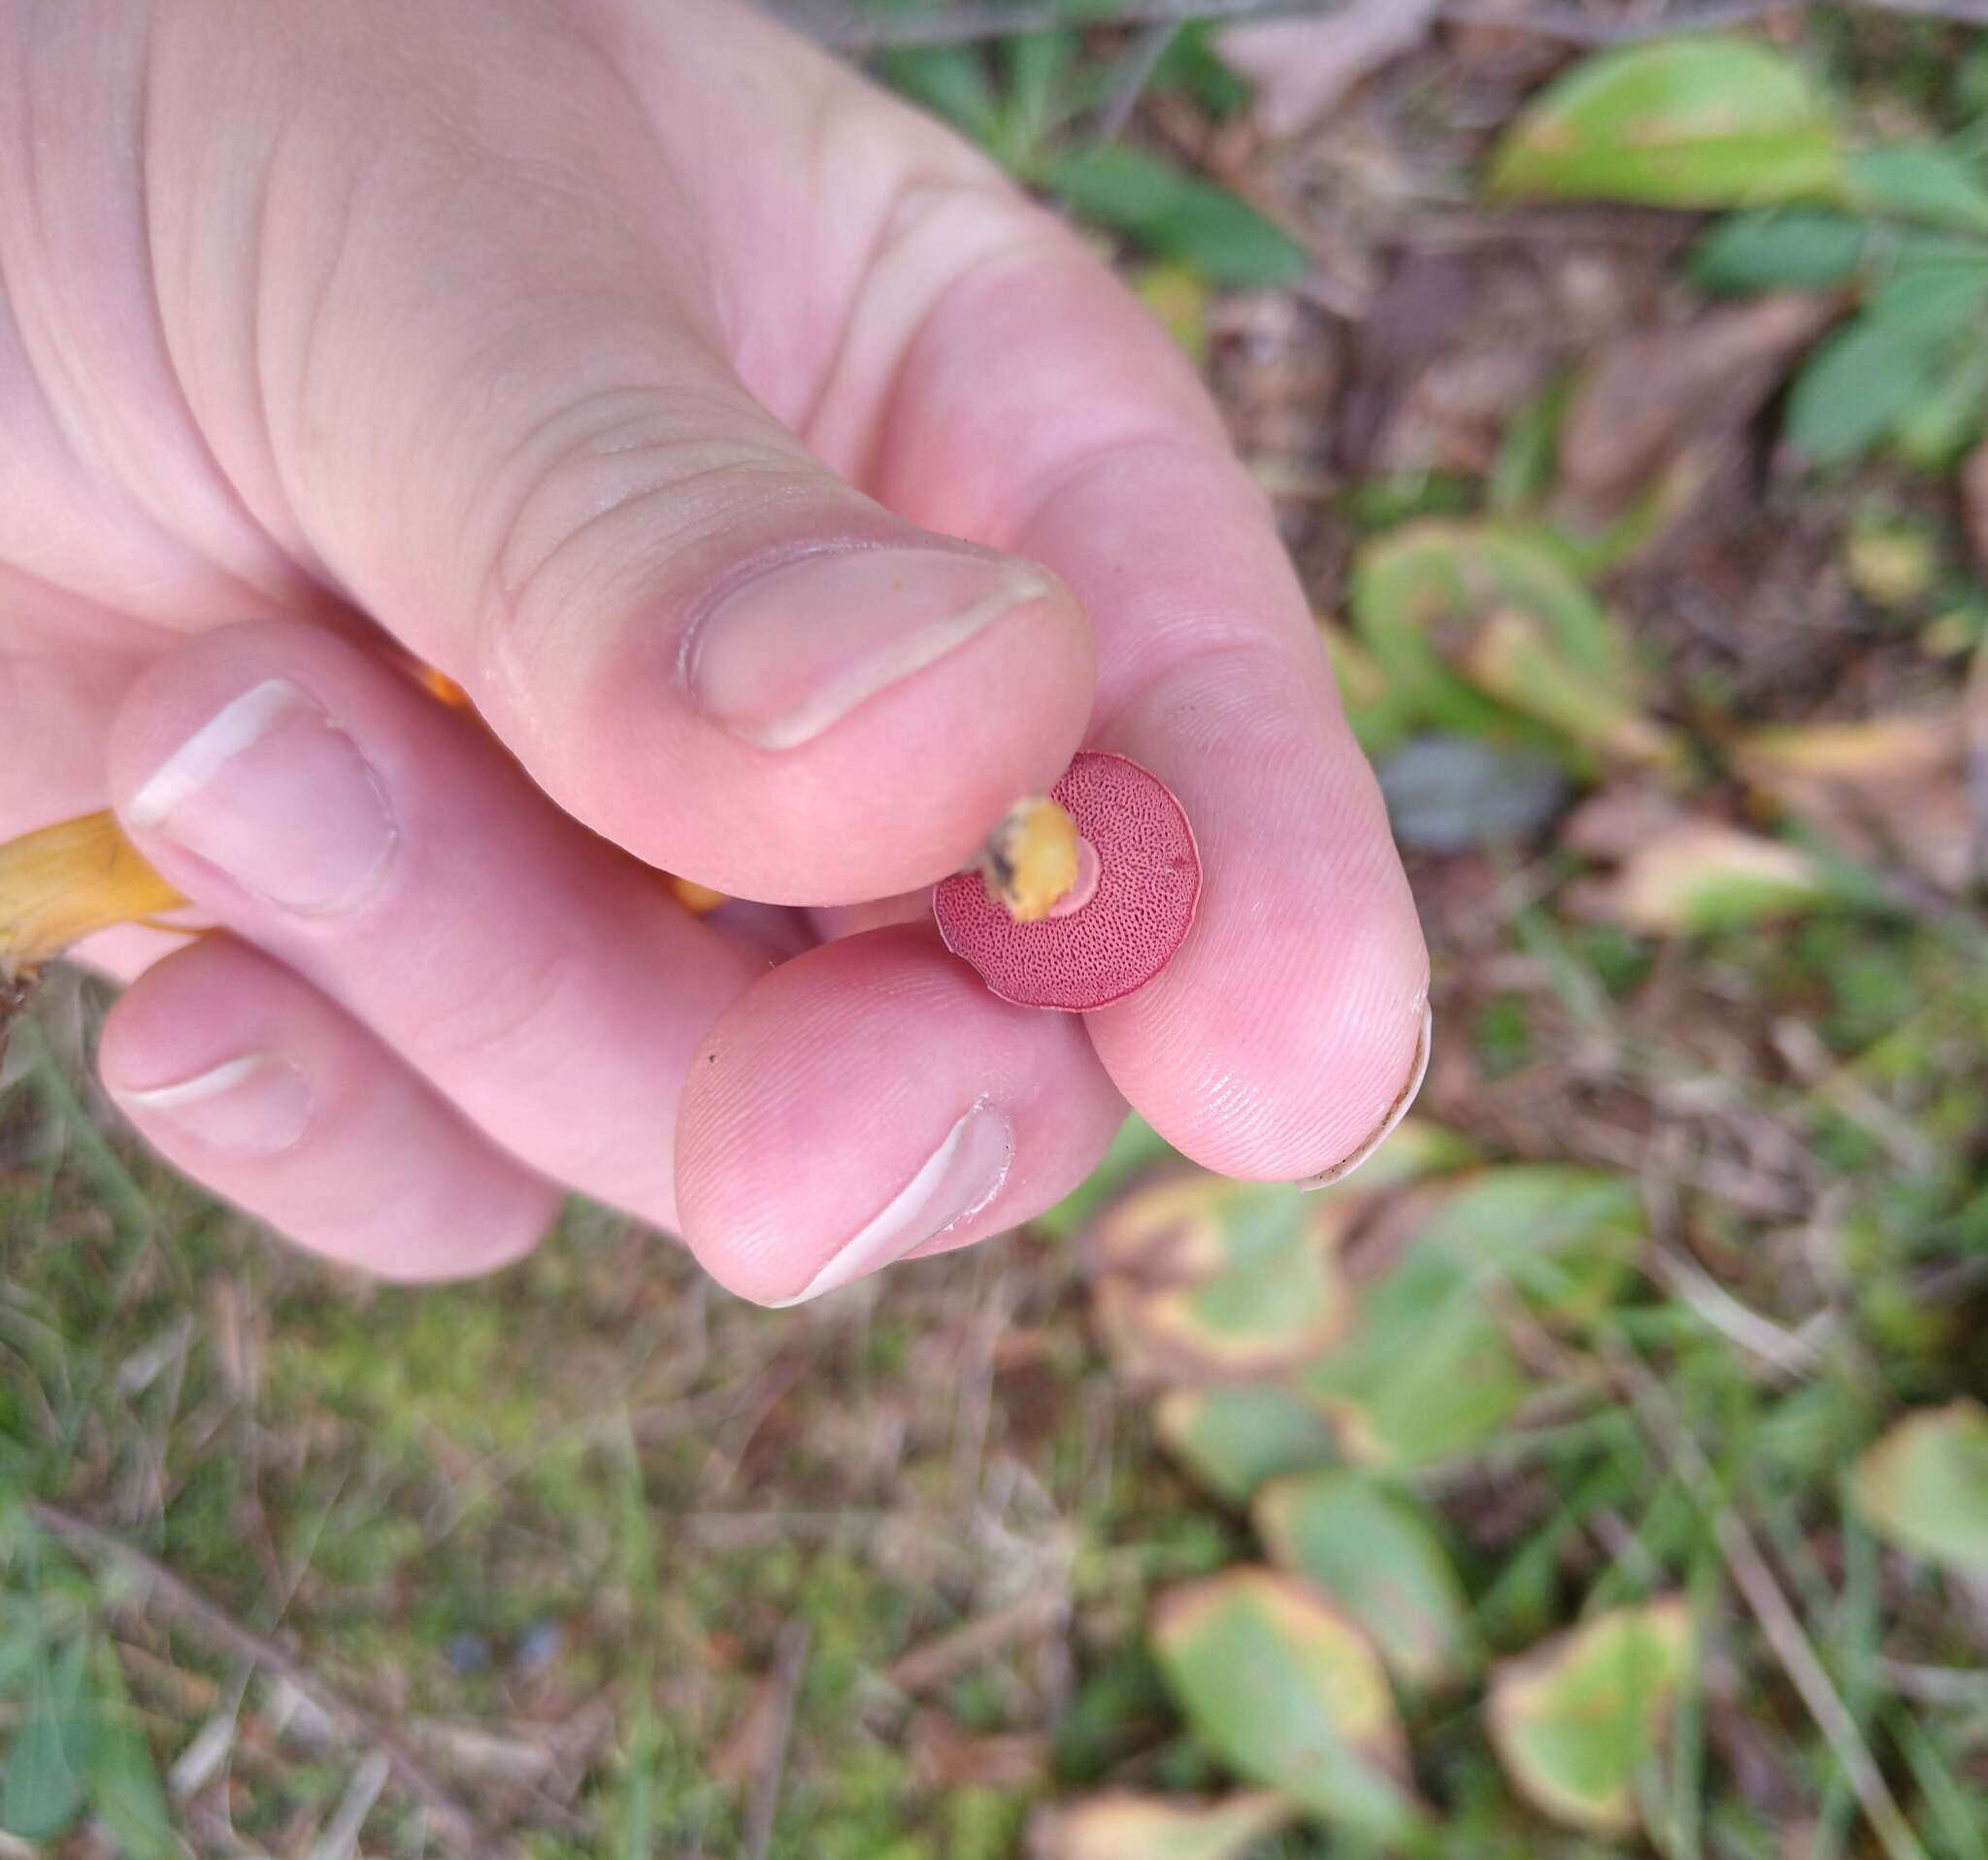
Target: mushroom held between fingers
{"points": [[1136, 884]]}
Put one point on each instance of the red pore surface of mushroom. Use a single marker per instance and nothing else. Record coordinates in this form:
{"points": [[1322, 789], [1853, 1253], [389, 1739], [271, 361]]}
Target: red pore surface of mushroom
{"points": [[1149, 884]]}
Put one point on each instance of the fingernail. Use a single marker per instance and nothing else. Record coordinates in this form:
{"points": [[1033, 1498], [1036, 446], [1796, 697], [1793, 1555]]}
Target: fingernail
{"points": [[256, 1106], [958, 1179], [1418, 1068], [795, 649], [271, 791]]}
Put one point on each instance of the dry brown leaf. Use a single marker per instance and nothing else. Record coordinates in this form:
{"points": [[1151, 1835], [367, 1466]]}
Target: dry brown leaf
{"points": [[1654, 391], [1889, 788], [1121, 1825], [945, 1755], [1975, 753], [741, 1753], [1617, 820], [1700, 874], [1974, 486], [1303, 67]]}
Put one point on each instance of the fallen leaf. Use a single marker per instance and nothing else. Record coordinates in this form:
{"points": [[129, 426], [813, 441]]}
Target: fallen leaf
{"points": [[1425, 1369], [1888, 787], [1692, 122], [1121, 1825], [1232, 1439], [1626, 814], [1302, 68], [1652, 390], [1484, 629], [1376, 1554], [1289, 1693], [1702, 875], [1575, 1721], [1924, 1486], [945, 1755], [741, 1754], [1974, 733], [1201, 1279], [1974, 489]]}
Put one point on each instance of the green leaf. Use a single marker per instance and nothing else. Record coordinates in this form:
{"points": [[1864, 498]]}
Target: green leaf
{"points": [[1200, 1278], [1683, 122], [123, 1780], [1919, 182], [1234, 1438], [1122, 1825], [1424, 1372], [1165, 209], [1862, 384], [1780, 248], [21, 1652], [1190, 63], [1924, 1486], [1289, 1694], [1567, 1239], [1375, 709], [1947, 423], [1482, 628], [1037, 67], [1528, 449], [1932, 298], [1375, 1554], [1575, 1721], [40, 1791]]}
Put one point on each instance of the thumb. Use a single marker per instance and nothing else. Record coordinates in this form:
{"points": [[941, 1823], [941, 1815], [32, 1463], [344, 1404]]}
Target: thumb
{"points": [[504, 422]]}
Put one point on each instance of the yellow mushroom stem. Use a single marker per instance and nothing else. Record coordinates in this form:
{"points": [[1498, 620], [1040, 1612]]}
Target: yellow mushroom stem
{"points": [[1029, 863]]}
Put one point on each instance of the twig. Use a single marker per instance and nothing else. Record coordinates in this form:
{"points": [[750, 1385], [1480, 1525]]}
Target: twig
{"points": [[934, 1662], [791, 1661], [1136, 68], [453, 1821]]}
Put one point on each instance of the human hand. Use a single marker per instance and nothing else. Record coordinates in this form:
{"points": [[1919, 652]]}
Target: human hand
{"points": [[637, 367]]}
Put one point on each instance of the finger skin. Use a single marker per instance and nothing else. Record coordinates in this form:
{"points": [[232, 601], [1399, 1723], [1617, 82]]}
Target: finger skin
{"points": [[447, 314], [827, 1088], [486, 392], [1290, 1027], [543, 981], [300, 1115]]}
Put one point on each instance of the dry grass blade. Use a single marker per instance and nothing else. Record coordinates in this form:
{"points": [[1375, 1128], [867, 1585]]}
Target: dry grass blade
{"points": [[791, 1661], [935, 1662], [458, 1829]]}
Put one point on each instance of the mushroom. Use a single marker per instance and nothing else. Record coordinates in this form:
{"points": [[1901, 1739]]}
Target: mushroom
{"points": [[1137, 881]]}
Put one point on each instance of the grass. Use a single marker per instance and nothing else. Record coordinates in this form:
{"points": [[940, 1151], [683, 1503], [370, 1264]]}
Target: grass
{"points": [[578, 1523]]}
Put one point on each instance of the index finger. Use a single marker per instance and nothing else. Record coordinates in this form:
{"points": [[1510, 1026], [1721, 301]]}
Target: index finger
{"points": [[1291, 1030]]}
